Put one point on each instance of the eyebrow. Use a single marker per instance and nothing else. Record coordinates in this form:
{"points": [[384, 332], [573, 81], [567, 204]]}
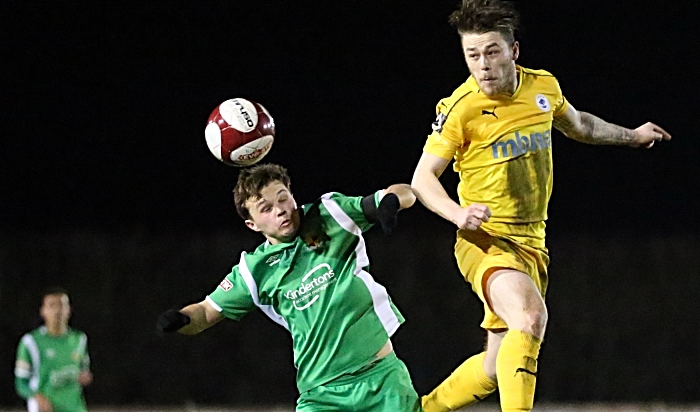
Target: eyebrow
{"points": [[262, 200], [486, 47]]}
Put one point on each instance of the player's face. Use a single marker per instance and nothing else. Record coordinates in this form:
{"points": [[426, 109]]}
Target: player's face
{"points": [[491, 61], [274, 213], [55, 310]]}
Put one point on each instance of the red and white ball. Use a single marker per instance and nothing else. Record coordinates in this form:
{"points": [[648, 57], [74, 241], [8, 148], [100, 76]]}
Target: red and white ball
{"points": [[240, 132]]}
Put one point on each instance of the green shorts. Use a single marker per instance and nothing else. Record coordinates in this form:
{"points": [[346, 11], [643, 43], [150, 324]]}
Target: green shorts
{"points": [[382, 386]]}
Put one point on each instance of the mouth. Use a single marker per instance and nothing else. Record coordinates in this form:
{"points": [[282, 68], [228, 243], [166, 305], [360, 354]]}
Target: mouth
{"points": [[285, 223]]}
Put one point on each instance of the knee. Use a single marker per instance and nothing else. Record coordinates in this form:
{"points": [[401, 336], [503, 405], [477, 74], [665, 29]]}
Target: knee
{"points": [[534, 321]]}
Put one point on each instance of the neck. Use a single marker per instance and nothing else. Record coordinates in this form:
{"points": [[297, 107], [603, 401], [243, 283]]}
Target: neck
{"points": [[516, 80], [276, 241], [513, 84], [56, 329]]}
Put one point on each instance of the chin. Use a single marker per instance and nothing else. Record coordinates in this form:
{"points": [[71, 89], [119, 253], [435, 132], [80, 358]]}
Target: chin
{"points": [[289, 233]]}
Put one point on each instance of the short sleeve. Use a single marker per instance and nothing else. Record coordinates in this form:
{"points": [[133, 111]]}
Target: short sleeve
{"points": [[561, 105], [352, 206], [448, 134], [85, 360], [23, 361], [232, 297]]}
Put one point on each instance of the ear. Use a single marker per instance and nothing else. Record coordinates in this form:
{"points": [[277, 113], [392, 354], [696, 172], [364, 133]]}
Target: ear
{"points": [[516, 50], [251, 225]]}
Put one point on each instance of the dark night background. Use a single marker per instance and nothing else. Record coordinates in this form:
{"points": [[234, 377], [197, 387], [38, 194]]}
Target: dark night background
{"points": [[108, 187]]}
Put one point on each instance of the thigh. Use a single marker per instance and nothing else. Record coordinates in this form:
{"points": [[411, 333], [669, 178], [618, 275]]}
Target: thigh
{"points": [[478, 256], [514, 295], [396, 391], [387, 387], [321, 398]]}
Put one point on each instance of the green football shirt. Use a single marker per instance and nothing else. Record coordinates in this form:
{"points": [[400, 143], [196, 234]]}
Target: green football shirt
{"points": [[318, 287], [55, 362]]}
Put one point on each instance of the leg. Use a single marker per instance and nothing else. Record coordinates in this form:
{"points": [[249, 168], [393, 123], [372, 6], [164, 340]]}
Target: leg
{"points": [[381, 387], [471, 382], [516, 299], [493, 344]]}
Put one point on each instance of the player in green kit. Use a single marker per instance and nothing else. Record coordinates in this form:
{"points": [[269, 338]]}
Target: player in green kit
{"points": [[311, 277], [52, 363]]}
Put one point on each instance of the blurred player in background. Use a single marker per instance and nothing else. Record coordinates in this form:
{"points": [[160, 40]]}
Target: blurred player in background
{"points": [[53, 365], [497, 127], [311, 277]]}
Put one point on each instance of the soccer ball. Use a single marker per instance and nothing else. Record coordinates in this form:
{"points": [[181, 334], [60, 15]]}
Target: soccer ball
{"points": [[240, 132]]}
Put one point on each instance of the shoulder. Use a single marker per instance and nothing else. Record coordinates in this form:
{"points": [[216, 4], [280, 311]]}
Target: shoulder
{"points": [[539, 77], [458, 97], [536, 72], [31, 339], [35, 333], [331, 196], [77, 333], [27, 336]]}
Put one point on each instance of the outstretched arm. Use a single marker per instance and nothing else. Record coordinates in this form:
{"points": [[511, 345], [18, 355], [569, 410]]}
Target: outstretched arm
{"points": [[189, 320], [587, 128]]}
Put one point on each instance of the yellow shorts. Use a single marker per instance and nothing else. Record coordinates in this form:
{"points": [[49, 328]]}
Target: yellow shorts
{"points": [[478, 253]]}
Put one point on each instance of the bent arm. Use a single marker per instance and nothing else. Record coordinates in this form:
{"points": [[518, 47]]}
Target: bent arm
{"points": [[428, 188], [405, 194], [202, 316], [22, 387]]}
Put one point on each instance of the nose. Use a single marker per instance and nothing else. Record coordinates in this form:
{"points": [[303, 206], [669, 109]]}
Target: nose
{"points": [[280, 211], [484, 63]]}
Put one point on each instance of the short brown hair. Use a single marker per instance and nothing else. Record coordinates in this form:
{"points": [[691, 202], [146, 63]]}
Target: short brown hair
{"points": [[251, 181], [482, 16], [53, 290]]}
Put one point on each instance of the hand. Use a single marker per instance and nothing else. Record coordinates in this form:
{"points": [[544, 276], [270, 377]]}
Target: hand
{"points": [[43, 403], [85, 378], [472, 216], [648, 134], [171, 320], [387, 212]]}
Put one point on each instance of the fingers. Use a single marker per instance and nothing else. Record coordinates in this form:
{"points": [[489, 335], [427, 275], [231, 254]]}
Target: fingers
{"points": [[171, 320], [479, 211], [474, 215], [473, 223], [664, 135]]}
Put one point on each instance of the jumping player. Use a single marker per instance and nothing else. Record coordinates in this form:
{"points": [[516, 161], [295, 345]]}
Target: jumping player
{"points": [[497, 127], [311, 277]]}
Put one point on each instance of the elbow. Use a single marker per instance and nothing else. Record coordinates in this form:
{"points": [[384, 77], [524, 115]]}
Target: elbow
{"points": [[405, 194], [416, 182]]}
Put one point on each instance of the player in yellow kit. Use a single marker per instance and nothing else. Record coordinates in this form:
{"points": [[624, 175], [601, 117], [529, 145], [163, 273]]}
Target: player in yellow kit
{"points": [[497, 127]]}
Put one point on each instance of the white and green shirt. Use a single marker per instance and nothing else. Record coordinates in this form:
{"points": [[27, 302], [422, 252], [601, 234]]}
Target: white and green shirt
{"points": [[50, 365], [318, 287]]}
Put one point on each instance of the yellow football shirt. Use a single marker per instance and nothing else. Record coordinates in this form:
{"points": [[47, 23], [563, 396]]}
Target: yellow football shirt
{"points": [[502, 150]]}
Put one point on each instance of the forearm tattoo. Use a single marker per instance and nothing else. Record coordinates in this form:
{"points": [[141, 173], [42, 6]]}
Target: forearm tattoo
{"points": [[594, 130]]}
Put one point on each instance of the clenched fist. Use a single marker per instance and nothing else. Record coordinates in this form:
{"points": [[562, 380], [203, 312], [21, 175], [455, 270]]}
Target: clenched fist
{"points": [[472, 216]]}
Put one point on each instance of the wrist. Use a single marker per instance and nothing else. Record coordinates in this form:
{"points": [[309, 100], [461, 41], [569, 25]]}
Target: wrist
{"points": [[633, 137], [453, 213]]}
